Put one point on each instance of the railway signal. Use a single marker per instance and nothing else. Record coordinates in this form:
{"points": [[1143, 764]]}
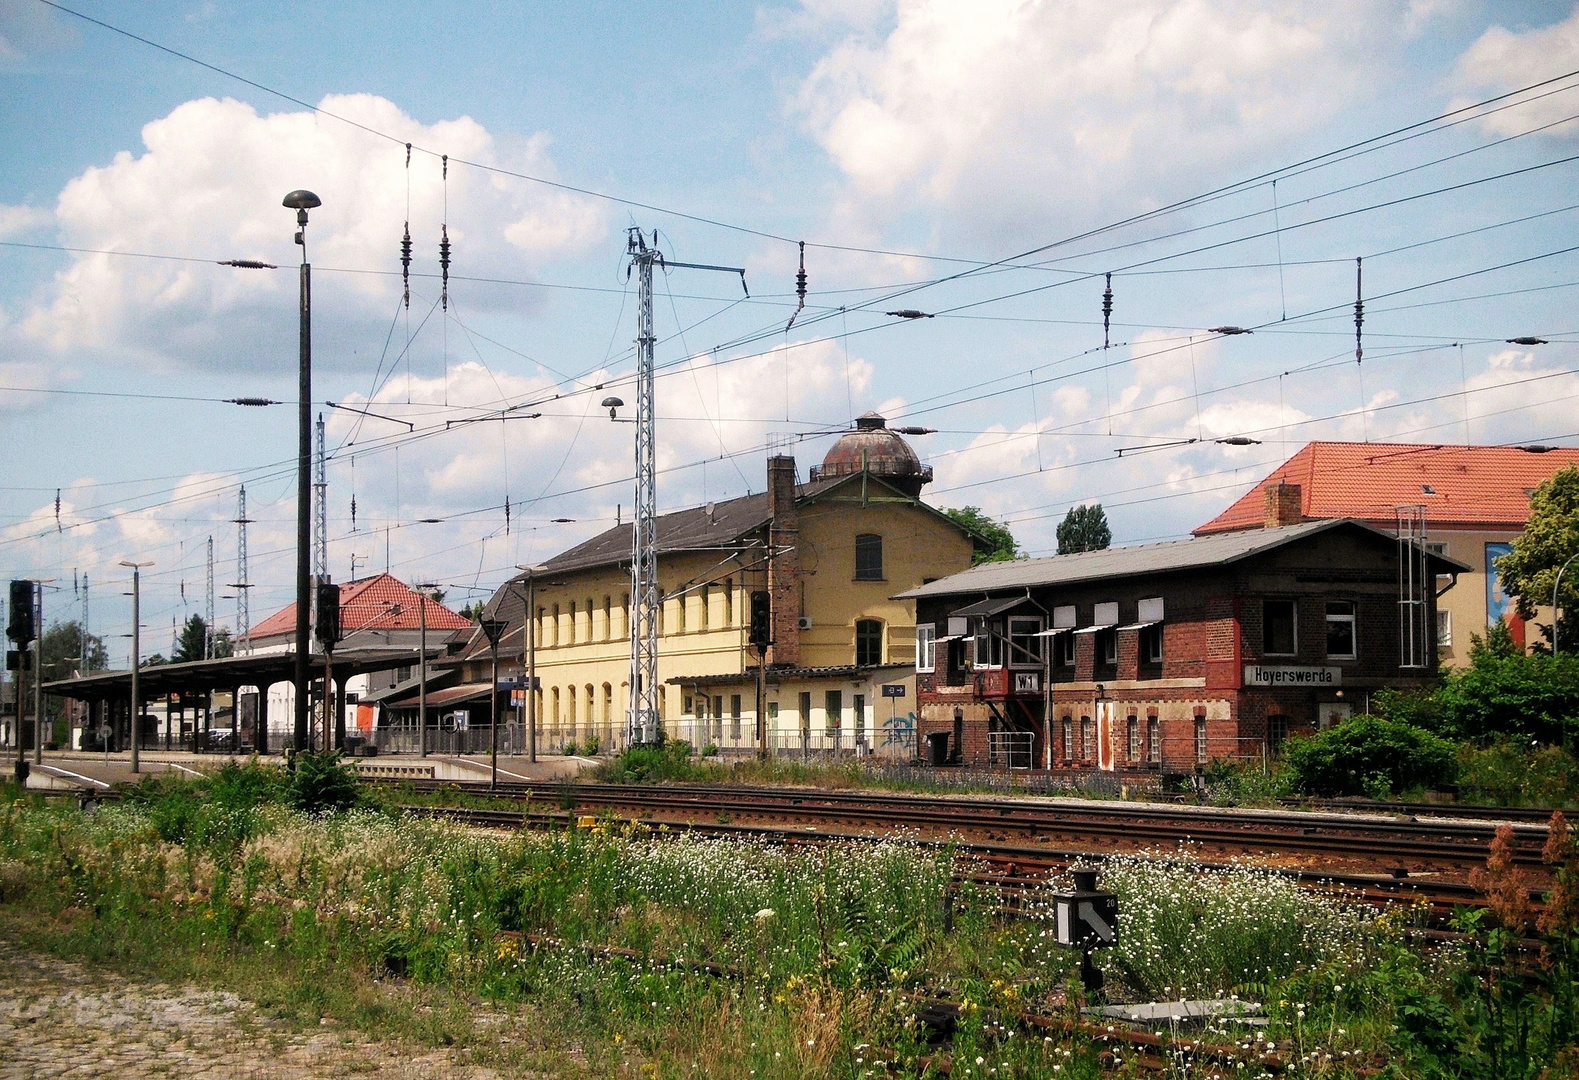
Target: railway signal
{"points": [[1086, 919]]}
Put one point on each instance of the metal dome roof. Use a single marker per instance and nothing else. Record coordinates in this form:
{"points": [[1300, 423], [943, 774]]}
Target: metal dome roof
{"points": [[871, 447]]}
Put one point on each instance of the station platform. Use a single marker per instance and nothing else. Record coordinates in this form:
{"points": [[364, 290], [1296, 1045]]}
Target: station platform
{"points": [[76, 771]]}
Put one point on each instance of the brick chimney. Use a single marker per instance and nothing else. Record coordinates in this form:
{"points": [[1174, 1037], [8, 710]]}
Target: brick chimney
{"points": [[784, 566], [1284, 505]]}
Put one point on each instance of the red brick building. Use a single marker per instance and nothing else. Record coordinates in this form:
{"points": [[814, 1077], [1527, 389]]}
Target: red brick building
{"points": [[1165, 656]]}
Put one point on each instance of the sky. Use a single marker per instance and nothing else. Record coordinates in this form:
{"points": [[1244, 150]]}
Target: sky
{"points": [[988, 163]]}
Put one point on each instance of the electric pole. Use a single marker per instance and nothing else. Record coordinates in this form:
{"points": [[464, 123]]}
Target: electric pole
{"points": [[208, 606], [642, 722], [137, 705]]}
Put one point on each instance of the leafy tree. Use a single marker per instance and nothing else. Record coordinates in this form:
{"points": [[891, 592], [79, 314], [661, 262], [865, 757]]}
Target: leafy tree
{"points": [[62, 652], [1549, 539], [1000, 545], [193, 642], [1369, 755], [1084, 528], [473, 611], [1535, 697], [223, 645]]}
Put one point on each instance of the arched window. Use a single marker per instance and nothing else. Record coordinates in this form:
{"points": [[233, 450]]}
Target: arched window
{"points": [[868, 642], [868, 557]]}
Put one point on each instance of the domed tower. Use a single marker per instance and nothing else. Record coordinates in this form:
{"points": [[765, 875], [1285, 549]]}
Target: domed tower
{"points": [[871, 447]]}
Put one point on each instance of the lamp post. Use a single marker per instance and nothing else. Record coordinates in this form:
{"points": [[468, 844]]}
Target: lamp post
{"points": [[302, 201], [529, 615], [137, 597], [1555, 624], [493, 629]]}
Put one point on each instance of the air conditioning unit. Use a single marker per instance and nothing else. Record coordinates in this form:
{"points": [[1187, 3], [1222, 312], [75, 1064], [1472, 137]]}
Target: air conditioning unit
{"points": [[804, 623]]}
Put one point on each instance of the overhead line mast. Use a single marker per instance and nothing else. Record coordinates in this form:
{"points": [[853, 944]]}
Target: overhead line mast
{"points": [[642, 722]]}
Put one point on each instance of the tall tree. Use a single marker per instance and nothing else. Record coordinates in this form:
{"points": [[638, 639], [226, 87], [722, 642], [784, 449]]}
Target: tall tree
{"points": [[193, 642], [1550, 538], [998, 543], [61, 651], [223, 645], [1084, 528]]}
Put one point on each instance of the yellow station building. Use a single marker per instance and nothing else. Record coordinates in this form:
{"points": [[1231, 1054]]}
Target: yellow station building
{"points": [[831, 553]]}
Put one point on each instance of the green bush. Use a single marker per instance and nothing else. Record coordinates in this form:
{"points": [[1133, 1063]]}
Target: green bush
{"points": [[1369, 755], [1536, 697], [323, 782], [647, 764], [1510, 773]]}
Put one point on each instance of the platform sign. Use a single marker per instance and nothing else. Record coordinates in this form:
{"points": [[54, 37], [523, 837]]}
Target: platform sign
{"points": [[893, 689]]}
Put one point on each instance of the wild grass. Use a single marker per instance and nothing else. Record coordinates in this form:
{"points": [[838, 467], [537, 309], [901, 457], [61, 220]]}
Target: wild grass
{"points": [[578, 952]]}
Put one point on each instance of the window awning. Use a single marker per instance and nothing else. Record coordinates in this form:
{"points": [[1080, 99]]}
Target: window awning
{"points": [[1140, 625], [1054, 630], [990, 607], [1095, 629], [948, 637]]}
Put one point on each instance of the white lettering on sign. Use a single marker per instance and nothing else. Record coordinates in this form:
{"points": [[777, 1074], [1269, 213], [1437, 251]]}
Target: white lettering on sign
{"points": [[1089, 916], [1261, 675]]}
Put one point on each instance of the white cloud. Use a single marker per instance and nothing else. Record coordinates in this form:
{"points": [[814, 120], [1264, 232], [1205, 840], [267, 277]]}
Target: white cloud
{"points": [[1503, 59], [15, 220], [1024, 113], [209, 184]]}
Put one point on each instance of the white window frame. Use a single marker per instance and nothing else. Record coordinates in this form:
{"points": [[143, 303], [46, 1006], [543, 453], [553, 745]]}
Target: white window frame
{"points": [[984, 632], [926, 647], [1353, 619], [1152, 636], [1444, 627], [1015, 659]]}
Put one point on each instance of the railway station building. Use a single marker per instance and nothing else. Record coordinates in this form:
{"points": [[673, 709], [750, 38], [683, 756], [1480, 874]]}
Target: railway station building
{"points": [[1472, 500], [831, 552], [1161, 657]]}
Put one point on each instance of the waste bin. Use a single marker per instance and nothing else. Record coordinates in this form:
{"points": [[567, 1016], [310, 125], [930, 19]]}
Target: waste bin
{"points": [[937, 748]]}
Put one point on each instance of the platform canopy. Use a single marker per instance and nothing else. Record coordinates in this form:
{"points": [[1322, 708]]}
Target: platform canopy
{"points": [[201, 676]]}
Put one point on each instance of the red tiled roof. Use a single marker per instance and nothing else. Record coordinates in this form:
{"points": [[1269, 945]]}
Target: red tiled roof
{"points": [[1459, 486], [370, 604]]}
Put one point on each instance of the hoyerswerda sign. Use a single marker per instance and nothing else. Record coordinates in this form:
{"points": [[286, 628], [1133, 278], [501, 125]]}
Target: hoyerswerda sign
{"points": [[1281, 675]]}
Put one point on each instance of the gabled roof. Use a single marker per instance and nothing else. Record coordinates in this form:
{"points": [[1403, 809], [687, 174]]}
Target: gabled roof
{"points": [[702, 528], [371, 603], [1459, 486], [1141, 559]]}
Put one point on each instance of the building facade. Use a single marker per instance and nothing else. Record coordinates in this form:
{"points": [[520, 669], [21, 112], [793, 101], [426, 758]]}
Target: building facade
{"points": [[1474, 501], [828, 556], [1166, 656]]}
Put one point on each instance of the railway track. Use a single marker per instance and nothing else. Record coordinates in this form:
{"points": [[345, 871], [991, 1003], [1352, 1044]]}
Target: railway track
{"points": [[1011, 868], [1397, 846]]}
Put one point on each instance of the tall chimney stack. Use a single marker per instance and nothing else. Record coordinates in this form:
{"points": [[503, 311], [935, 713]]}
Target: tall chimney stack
{"points": [[784, 563]]}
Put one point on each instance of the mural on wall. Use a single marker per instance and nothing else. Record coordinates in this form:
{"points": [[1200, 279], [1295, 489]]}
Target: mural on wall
{"points": [[1498, 602]]}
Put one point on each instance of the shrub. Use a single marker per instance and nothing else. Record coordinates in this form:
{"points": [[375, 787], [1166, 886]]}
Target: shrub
{"points": [[647, 764], [323, 782], [1509, 773], [1369, 755], [1536, 697], [570, 749], [590, 747]]}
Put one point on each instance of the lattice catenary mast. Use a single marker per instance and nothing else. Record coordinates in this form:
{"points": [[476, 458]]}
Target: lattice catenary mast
{"points": [[642, 722], [243, 614], [208, 606]]}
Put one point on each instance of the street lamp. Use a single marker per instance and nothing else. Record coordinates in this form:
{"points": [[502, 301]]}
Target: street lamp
{"points": [[137, 706], [529, 616], [493, 629], [302, 201]]}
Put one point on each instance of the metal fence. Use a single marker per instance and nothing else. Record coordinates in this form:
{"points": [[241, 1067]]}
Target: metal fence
{"points": [[1011, 750]]}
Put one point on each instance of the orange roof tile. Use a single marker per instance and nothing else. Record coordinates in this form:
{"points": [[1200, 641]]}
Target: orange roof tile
{"points": [[371, 603], [1460, 486]]}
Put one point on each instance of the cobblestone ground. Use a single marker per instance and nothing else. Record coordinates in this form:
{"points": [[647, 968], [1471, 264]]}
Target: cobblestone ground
{"points": [[64, 1019]]}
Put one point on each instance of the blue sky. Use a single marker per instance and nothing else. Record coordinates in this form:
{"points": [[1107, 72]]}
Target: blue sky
{"points": [[906, 143]]}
